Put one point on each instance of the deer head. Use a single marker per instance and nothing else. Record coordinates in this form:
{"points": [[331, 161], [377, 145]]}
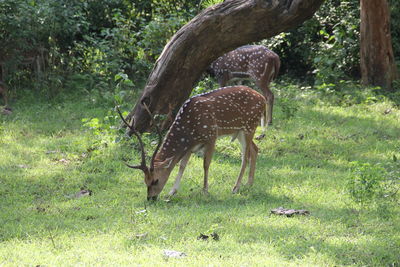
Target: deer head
{"points": [[153, 175]]}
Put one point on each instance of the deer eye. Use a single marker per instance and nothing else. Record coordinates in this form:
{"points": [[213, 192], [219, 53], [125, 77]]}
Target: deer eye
{"points": [[155, 182]]}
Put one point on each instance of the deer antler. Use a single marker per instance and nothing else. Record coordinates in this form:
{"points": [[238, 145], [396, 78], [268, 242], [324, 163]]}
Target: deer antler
{"points": [[142, 165], [159, 135]]}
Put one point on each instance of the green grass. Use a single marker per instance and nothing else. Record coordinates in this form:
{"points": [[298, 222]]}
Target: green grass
{"points": [[47, 155]]}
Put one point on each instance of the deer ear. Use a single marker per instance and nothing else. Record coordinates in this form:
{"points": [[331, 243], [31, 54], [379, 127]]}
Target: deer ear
{"points": [[164, 164]]}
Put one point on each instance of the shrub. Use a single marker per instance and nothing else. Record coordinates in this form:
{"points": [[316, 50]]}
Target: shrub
{"points": [[374, 183]]}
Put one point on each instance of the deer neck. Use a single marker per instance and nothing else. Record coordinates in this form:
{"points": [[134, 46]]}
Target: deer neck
{"points": [[177, 143]]}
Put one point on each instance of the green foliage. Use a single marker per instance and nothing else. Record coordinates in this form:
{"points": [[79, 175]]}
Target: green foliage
{"points": [[326, 45], [94, 40], [366, 182], [347, 93], [104, 129], [208, 3], [287, 99], [204, 85], [395, 27], [156, 34], [374, 183]]}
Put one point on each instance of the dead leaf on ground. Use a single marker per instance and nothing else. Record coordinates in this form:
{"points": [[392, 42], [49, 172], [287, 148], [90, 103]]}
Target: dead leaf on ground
{"points": [[63, 161], [141, 211], [214, 236], [40, 209], [289, 212], [202, 237], [22, 166], [387, 111], [81, 193], [141, 236], [174, 254], [260, 137]]}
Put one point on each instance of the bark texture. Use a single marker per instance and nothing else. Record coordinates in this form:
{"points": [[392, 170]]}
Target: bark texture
{"points": [[376, 52], [211, 33]]}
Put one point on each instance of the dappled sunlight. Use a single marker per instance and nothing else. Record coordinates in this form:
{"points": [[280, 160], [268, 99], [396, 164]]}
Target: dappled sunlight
{"points": [[303, 163]]}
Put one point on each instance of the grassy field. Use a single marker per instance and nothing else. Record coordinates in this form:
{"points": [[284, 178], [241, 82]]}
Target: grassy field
{"points": [[50, 150]]}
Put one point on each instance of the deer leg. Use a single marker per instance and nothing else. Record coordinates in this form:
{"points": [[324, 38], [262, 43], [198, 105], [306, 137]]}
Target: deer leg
{"points": [[244, 141], [263, 125], [208, 152], [178, 178], [269, 96], [266, 119], [263, 83], [253, 158]]}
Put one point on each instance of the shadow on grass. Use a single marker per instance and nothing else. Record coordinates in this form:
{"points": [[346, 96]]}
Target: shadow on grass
{"points": [[36, 204]]}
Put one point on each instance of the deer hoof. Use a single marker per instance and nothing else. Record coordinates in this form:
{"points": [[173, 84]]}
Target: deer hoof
{"points": [[172, 192]]}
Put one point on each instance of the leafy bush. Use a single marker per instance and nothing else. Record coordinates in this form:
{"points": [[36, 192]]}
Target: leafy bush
{"points": [[287, 96], [208, 3], [347, 93], [369, 183], [205, 85], [155, 34], [92, 41], [395, 27], [325, 48], [95, 38], [365, 182]]}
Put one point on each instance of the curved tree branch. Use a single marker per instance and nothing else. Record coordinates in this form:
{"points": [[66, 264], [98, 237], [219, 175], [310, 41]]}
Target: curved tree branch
{"points": [[211, 33]]}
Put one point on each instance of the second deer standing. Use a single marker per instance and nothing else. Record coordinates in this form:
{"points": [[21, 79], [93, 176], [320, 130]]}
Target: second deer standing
{"points": [[235, 111], [250, 61]]}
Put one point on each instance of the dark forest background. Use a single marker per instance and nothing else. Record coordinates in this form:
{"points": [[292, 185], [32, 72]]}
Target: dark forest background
{"points": [[51, 46]]}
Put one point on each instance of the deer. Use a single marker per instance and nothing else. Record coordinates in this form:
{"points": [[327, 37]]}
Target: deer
{"points": [[233, 110], [249, 61]]}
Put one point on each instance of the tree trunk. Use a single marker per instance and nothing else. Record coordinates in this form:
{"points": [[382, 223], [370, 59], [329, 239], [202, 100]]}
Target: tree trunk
{"points": [[213, 32], [376, 53]]}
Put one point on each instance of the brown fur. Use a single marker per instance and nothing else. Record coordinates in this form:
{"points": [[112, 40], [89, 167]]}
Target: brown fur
{"points": [[250, 61], [234, 110]]}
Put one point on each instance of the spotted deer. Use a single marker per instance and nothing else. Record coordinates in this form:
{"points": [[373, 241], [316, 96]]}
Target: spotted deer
{"points": [[234, 110], [250, 61]]}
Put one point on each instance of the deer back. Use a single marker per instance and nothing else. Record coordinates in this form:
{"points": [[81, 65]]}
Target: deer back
{"points": [[204, 117], [249, 60]]}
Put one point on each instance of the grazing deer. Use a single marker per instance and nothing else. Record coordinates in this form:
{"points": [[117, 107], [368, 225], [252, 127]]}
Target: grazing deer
{"points": [[234, 110], [250, 61]]}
